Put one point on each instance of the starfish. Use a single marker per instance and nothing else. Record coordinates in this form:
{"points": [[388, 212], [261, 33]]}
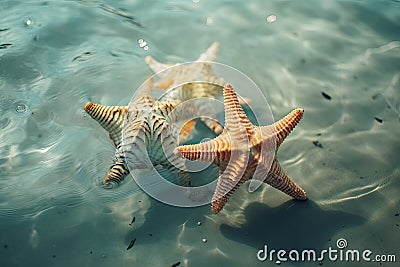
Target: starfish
{"points": [[173, 75], [243, 150], [136, 131], [194, 80], [145, 119]]}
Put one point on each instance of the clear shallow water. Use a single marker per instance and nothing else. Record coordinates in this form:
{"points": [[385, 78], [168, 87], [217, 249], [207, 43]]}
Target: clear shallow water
{"points": [[53, 157]]}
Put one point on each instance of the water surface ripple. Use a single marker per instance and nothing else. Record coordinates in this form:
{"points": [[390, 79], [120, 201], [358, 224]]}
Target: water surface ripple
{"points": [[339, 60]]}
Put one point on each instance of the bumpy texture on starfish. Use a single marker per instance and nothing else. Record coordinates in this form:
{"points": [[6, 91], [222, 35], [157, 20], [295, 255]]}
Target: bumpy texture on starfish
{"points": [[242, 151], [142, 123], [145, 119]]}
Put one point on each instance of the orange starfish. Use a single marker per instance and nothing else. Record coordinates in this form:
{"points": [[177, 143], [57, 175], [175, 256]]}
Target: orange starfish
{"points": [[244, 150]]}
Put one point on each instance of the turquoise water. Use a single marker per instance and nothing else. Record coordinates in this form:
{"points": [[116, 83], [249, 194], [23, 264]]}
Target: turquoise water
{"points": [[339, 60]]}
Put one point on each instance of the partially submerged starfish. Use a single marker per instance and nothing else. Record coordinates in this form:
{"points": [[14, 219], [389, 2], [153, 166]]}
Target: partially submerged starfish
{"points": [[144, 121], [194, 80], [243, 150], [173, 75], [136, 131]]}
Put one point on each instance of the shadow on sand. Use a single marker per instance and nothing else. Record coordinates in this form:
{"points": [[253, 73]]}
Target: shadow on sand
{"points": [[292, 225]]}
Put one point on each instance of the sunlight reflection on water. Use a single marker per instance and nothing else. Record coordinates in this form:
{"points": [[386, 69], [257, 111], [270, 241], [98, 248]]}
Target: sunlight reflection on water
{"points": [[56, 56]]}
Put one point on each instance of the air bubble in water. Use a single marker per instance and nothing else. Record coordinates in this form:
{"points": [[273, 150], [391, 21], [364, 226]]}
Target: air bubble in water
{"points": [[21, 108], [28, 22], [271, 18], [143, 44]]}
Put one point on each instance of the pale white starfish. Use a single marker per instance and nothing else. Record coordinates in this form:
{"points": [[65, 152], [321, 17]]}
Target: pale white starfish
{"points": [[189, 81]]}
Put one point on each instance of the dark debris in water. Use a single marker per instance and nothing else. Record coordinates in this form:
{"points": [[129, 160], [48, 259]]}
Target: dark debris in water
{"points": [[122, 13], [134, 22], [317, 143], [114, 54], [84, 56], [4, 46], [176, 264], [4, 29], [397, 214], [378, 119], [326, 95], [131, 244]]}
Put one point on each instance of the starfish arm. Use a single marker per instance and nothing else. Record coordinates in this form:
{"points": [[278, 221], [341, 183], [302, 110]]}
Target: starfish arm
{"points": [[230, 179], [133, 149], [109, 117], [164, 108], [156, 66], [278, 179], [166, 112], [217, 149], [282, 128], [116, 174], [236, 121], [139, 106], [210, 54]]}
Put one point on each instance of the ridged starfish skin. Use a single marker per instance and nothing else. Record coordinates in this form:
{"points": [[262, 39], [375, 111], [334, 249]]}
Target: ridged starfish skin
{"points": [[142, 123], [144, 120], [243, 150]]}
